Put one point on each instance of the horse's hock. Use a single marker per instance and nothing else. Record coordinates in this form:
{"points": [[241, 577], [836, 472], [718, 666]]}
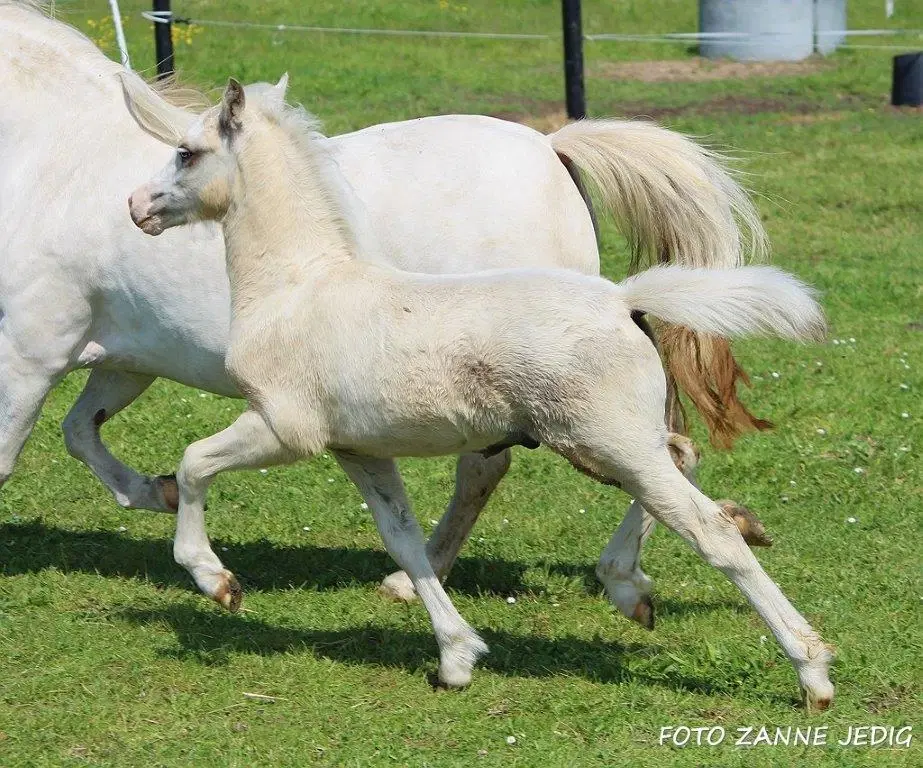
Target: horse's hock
{"points": [[770, 30]]}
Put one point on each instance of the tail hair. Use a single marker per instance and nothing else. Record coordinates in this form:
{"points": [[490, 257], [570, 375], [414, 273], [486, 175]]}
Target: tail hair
{"points": [[728, 302], [673, 199]]}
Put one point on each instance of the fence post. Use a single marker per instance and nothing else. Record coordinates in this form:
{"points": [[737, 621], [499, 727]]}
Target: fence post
{"points": [[163, 39], [573, 59]]}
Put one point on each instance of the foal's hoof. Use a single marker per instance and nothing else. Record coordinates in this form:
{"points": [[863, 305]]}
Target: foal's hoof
{"points": [[644, 612], [168, 488], [749, 525], [398, 587], [229, 594], [818, 699]]}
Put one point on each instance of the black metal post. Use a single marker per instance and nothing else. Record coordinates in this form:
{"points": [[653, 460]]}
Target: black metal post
{"points": [[163, 40], [573, 59]]}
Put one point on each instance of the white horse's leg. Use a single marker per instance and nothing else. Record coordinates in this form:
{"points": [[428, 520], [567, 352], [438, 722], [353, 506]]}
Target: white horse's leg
{"points": [[476, 477], [105, 394], [247, 444], [380, 484], [26, 377], [652, 477]]}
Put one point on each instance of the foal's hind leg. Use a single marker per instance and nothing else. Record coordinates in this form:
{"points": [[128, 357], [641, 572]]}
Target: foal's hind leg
{"points": [[657, 484], [105, 394], [476, 477], [380, 484], [247, 444], [619, 568]]}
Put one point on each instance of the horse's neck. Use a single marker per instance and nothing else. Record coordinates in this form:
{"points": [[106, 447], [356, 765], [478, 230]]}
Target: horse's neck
{"points": [[283, 228]]}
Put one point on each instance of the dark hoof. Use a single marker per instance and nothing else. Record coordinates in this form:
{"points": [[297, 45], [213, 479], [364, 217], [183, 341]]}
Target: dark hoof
{"points": [[644, 613], [230, 595], [170, 490], [749, 525]]}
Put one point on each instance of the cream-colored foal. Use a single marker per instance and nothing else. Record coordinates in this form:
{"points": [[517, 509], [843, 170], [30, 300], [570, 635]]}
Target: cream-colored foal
{"points": [[371, 363]]}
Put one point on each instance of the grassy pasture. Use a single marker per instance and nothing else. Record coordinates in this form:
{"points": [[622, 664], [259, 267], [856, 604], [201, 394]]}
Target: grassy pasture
{"points": [[111, 658]]}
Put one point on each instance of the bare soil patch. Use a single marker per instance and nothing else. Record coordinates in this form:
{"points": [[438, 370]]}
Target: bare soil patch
{"points": [[700, 70]]}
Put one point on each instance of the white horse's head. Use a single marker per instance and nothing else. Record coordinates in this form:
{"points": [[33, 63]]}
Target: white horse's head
{"points": [[196, 184]]}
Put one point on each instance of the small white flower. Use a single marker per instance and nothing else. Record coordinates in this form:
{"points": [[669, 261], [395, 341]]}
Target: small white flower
{"points": [[906, 367], [122, 529], [202, 395], [224, 549], [505, 521], [775, 374], [329, 479], [858, 470], [836, 341], [264, 471], [821, 431], [905, 386], [851, 520], [852, 340], [434, 522], [792, 483], [582, 511], [905, 415], [511, 740], [904, 448], [306, 528], [784, 498], [511, 600], [363, 505], [764, 639], [819, 362], [480, 539], [326, 455]]}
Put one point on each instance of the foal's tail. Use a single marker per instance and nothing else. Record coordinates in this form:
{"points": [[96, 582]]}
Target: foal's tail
{"points": [[676, 202], [728, 302]]}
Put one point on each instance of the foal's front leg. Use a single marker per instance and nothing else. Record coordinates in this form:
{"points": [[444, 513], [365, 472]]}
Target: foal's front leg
{"points": [[248, 443], [380, 484]]}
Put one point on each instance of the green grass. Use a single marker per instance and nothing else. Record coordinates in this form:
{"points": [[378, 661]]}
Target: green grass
{"points": [[111, 658]]}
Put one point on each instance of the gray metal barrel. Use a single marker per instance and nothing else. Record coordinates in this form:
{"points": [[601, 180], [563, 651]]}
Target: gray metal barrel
{"points": [[757, 30], [829, 25]]}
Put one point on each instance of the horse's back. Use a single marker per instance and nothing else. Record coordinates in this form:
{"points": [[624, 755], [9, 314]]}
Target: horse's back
{"points": [[494, 192]]}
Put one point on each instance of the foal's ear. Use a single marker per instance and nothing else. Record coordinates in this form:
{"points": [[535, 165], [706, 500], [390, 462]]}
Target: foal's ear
{"points": [[282, 86], [232, 108]]}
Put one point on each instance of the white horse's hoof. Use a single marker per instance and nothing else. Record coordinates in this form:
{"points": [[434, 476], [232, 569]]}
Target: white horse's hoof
{"points": [[817, 697], [459, 657], [398, 587]]}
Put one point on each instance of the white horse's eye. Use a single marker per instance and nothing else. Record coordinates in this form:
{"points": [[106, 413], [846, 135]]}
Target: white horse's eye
{"points": [[185, 156]]}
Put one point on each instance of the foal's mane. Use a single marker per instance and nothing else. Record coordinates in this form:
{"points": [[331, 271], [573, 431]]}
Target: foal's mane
{"points": [[321, 178]]}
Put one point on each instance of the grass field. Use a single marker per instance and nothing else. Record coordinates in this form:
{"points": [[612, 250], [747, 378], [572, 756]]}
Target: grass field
{"points": [[110, 657]]}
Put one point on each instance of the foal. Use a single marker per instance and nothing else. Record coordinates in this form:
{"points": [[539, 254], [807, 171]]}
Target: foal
{"points": [[371, 363]]}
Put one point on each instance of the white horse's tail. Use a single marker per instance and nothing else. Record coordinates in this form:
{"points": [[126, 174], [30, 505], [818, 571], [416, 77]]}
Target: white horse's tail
{"points": [[673, 199], [728, 302]]}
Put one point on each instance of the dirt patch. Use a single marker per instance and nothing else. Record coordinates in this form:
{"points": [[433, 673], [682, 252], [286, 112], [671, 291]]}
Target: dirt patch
{"points": [[549, 116], [699, 70]]}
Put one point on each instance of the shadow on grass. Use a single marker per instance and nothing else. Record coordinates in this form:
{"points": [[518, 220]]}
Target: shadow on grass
{"points": [[209, 637], [267, 566]]}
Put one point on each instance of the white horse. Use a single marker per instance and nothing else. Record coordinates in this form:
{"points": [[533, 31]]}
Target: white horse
{"points": [[369, 362], [80, 287]]}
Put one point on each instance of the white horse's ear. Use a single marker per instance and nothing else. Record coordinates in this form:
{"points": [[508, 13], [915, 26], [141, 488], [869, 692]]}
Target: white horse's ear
{"points": [[152, 113], [232, 108], [282, 86]]}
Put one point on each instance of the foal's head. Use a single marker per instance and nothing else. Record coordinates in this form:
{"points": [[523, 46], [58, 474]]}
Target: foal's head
{"points": [[196, 184]]}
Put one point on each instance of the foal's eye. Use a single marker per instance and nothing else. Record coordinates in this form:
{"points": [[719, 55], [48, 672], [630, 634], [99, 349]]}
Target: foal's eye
{"points": [[185, 156]]}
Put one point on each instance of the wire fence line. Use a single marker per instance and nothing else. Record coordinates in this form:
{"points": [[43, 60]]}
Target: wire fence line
{"points": [[167, 17]]}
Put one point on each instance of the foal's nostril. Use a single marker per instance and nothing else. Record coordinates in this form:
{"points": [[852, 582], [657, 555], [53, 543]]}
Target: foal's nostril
{"points": [[129, 201]]}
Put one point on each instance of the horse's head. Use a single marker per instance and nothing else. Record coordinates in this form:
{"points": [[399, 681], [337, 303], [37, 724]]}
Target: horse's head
{"points": [[196, 184]]}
